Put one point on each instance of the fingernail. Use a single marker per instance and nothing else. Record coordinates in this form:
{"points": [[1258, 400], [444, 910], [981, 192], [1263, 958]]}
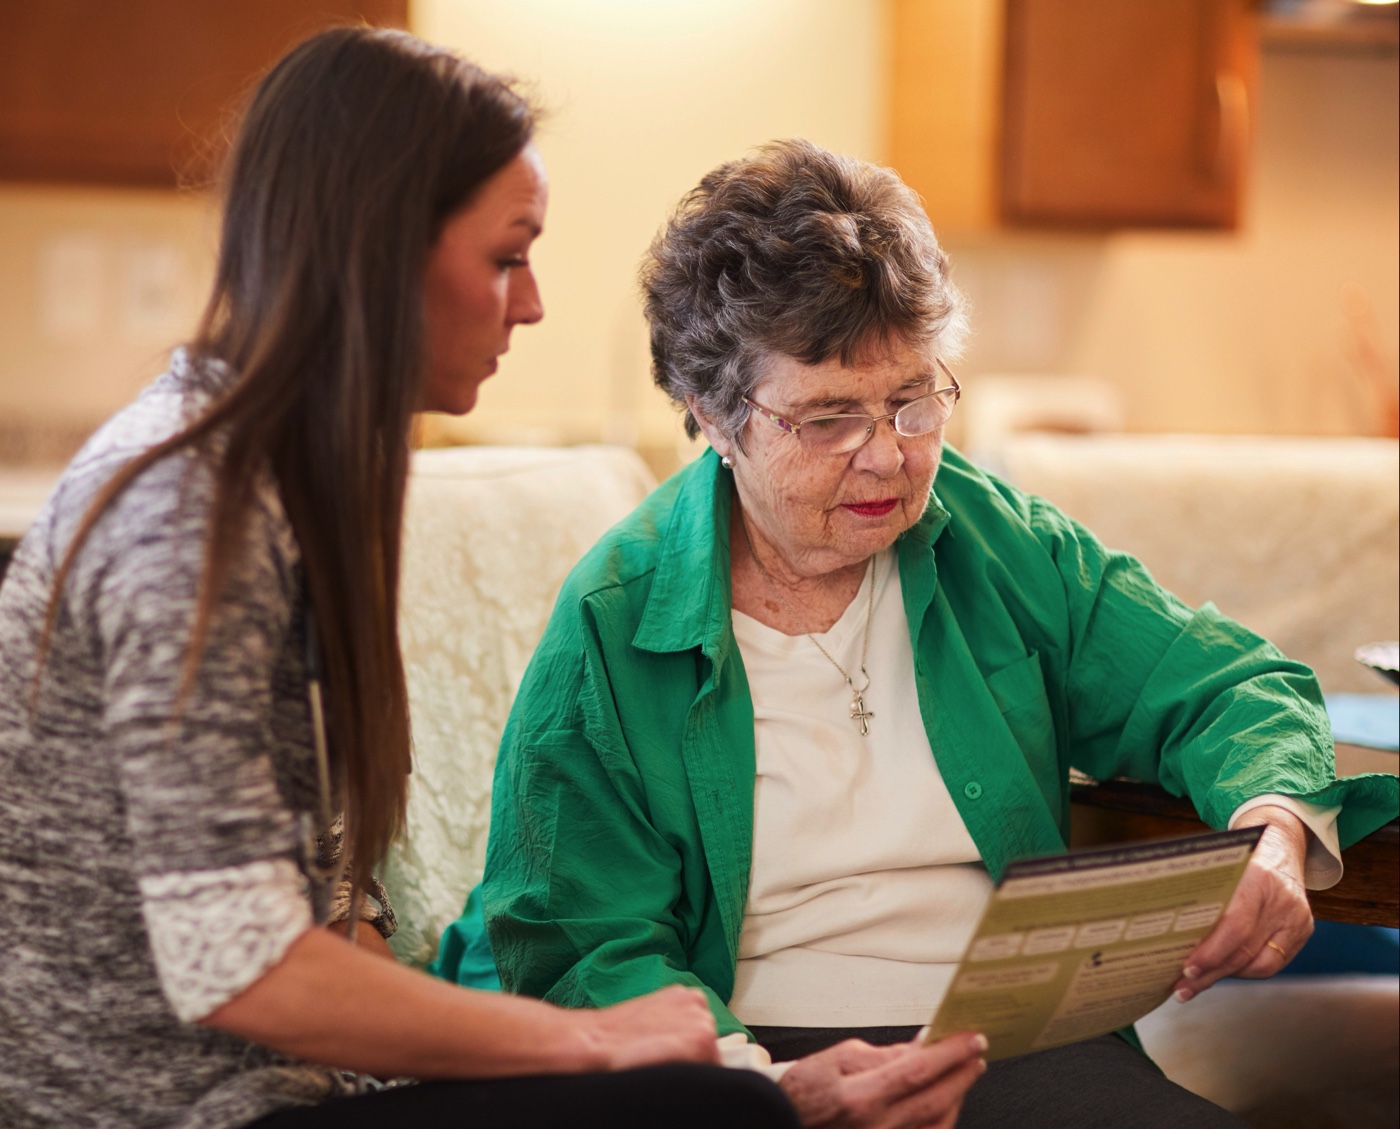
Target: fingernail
{"points": [[1191, 972], [1181, 995], [981, 1066], [980, 1043]]}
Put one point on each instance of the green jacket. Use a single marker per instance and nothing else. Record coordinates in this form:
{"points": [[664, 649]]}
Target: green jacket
{"points": [[622, 817]]}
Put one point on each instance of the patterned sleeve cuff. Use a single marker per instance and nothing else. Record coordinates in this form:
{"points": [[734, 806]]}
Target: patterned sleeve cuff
{"points": [[214, 932], [374, 907]]}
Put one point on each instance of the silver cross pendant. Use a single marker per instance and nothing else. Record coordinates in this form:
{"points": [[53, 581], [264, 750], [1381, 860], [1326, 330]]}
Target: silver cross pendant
{"points": [[861, 714]]}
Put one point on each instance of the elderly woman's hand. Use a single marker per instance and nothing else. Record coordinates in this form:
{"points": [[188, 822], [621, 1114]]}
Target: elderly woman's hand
{"points": [[1268, 920], [856, 1086]]}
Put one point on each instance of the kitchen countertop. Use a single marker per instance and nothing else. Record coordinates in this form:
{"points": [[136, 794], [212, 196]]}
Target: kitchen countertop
{"points": [[23, 491]]}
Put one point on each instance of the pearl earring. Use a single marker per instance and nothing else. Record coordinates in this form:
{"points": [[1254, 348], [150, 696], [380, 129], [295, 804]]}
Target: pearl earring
{"points": [[726, 462]]}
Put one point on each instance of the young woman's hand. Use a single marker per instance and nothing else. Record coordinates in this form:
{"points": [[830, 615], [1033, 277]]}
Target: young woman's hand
{"points": [[856, 1086], [1268, 920], [672, 1025], [398, 1022]]}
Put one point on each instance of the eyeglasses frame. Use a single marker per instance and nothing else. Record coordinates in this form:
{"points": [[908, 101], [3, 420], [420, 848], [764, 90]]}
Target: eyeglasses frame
{"points": [[793, 429]]}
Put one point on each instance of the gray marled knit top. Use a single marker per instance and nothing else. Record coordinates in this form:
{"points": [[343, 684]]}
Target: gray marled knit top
{"points": [[146, 872]]}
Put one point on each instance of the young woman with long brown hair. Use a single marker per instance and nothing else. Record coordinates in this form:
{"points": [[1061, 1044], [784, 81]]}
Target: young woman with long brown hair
{"points": [[169, 840], [204, 733]]}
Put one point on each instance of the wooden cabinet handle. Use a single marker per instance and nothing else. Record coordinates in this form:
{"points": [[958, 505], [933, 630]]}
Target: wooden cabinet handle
{"points": [[1232, 100]]}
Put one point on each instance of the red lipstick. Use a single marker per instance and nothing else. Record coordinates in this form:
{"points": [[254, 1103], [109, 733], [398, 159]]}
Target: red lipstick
{"points": [[872, 509]]}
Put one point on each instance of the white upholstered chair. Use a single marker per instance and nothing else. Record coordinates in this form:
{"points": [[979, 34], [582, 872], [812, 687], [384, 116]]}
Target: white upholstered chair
{"points": [[490, 533]]}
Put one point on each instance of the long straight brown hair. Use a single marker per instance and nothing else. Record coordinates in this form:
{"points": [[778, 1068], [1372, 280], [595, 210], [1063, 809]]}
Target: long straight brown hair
{"points": [[353, 151]]}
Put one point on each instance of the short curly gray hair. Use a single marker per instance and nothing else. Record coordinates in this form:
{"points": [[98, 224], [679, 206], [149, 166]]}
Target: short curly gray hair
{"points": [[794, 251]]}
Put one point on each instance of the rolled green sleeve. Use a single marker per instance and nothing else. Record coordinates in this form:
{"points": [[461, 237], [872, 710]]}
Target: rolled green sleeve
{"points": [[1190, 699]]}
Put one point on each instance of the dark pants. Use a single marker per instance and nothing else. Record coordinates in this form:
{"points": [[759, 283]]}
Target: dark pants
{"points": [[1097, 1084], [675, 1096]]}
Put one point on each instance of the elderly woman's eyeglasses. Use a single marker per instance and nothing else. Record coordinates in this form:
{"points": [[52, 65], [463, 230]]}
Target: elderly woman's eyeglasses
{"points": [[842, 434]]}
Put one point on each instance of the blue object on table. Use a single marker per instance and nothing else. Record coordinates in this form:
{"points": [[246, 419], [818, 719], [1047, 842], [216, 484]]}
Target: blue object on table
{"points": [[1365, 719], [1336, 948]]}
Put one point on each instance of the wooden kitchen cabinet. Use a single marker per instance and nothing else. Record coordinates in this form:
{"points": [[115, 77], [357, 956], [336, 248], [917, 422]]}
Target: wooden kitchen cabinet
{"points": [[1074, 113], [136, 92], [1119, 112]]}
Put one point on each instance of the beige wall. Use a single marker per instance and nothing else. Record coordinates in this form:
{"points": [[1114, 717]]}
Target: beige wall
{"points": [[1262, 330], [644, 97], [94, 287], [1246, 331]]}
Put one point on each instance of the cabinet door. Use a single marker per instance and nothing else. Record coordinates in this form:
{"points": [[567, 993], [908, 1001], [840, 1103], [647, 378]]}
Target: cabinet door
{"points": [[1126, 111], [135, 91], [945, 87]]}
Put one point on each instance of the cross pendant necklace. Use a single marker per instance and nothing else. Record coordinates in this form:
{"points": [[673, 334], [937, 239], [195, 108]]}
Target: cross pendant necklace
{"points": [[859, 714]]}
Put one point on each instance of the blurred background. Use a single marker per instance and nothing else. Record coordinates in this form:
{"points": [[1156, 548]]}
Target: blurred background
{"points": [[1189, 205], [1177, 223]]}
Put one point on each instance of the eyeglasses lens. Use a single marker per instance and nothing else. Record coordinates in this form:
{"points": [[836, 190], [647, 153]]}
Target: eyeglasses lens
{"points": [[923, 415], [836, 434], [842, 433]]}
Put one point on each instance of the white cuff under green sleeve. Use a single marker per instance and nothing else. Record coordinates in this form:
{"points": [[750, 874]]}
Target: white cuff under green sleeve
{"points": [[737, 1053], [1323, 865]]}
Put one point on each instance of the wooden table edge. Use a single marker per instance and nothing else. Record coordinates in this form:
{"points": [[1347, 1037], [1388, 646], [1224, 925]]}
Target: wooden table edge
{"points": [[1115, 811]]}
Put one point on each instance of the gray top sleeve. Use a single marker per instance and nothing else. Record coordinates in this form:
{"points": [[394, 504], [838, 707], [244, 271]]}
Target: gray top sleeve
{"points": [[197, 776], [149, 845]]}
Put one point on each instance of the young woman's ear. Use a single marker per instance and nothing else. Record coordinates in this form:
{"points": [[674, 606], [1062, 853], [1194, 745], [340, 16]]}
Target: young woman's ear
{"points": [[716, 439]]}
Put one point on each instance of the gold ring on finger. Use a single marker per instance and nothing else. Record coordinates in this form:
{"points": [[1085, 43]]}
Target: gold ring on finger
{"points": [[1278, 949]]}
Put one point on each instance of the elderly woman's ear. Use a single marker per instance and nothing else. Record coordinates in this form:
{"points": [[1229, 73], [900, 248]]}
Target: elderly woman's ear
{"points": [[723, 445]]}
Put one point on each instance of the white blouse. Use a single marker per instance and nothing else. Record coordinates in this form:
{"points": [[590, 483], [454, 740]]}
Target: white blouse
{"points": [[866, 885]]}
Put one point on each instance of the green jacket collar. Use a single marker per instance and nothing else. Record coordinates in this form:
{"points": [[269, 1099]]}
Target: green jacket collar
{"points": [[917, 574], [689, 605]]}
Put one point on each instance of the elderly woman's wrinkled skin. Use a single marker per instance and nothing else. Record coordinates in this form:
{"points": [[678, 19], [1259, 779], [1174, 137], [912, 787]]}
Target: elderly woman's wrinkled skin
{"points": [[799, 511]]}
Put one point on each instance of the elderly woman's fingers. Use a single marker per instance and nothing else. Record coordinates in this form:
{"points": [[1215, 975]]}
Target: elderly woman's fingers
{"points": [[919, 1065], [1277, 950], [1254, 948], [935, 1106], [949, 1119], [920, 1086], [905, 1085], [1253, 951], [1272, 957], [855, 1055], [1230, 937], [1267, 922]]}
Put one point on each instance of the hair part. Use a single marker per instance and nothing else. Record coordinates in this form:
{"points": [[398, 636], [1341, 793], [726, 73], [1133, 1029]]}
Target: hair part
{"points": [[794, 251], [353, 152]]}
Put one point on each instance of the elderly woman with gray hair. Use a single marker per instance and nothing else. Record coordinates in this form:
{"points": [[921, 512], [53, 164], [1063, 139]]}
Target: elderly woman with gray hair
{"points": [[792, 718]]}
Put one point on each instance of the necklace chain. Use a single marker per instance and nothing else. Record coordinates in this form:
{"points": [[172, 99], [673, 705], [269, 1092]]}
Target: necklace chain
{"points": [[859, 713]]}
